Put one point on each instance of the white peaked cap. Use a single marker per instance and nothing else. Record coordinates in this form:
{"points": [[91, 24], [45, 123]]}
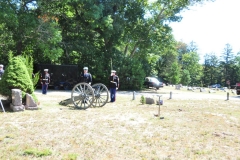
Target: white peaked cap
{"points": [[85, 67], [46, 70]]}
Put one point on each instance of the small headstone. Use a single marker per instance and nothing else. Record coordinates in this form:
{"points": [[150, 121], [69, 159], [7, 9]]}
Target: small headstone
{"points": [[177, 87], [30, 103], [16, 104], [149, 100], [202, 90], [16, 97], [212, 91]]}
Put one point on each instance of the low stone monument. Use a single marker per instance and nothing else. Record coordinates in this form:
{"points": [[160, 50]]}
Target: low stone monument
{"points": [[149, 100], [177, 87], [30, 103], [202, 90], [16, 104], [212, 91]]}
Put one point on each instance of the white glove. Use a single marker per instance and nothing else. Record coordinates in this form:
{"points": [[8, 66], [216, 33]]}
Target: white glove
{"points": [[89, 83]]}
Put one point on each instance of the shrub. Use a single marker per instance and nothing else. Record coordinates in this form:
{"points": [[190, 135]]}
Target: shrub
{"points": [[16, 76], [142, 100]]}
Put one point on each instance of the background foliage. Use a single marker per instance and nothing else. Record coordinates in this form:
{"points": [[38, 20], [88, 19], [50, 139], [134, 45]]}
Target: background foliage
{"points": [[132, 37]]}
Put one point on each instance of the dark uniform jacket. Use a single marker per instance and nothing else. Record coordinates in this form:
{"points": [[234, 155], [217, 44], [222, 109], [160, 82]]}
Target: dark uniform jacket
{"points": [[45, 79], [86, 77], [113, 81]]}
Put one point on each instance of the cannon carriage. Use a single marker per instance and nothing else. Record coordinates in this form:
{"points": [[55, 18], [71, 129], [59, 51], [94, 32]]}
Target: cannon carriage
{"points": [[84, 95]]}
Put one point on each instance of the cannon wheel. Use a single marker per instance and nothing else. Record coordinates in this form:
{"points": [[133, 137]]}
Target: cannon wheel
{"points": [[101, 95], [82, 95]]}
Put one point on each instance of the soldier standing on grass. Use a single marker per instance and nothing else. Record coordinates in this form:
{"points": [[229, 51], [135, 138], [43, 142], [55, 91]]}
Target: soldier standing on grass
{"points": [[85, 76], [114, 85], [45, 80]]}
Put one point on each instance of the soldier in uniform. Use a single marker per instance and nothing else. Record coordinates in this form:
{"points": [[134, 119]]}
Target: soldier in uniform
{"points": [[45, 80], [1, 71], [113, 84], [85, 76]]}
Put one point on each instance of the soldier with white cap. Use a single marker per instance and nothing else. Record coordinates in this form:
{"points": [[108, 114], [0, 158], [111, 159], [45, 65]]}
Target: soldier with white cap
{"points": [[1, 70], [113, 84], [45, 80], [85, 76]]}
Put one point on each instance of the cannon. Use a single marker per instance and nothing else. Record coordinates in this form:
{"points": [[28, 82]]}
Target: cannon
{"points": [[84, 95]]}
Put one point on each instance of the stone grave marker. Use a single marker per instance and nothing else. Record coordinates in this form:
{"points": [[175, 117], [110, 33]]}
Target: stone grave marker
{"points": [[16, 104], [30, 103]]}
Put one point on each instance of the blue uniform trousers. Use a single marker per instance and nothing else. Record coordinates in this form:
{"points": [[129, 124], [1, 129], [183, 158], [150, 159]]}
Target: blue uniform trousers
{"points": [[44, 88], [113, 94]]}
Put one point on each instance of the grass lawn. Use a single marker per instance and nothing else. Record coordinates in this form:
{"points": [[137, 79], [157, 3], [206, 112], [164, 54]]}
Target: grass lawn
{"points": [[126, 129]]}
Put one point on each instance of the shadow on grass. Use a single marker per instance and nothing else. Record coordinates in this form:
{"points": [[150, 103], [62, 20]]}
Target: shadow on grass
{"points": [[69, 105], [6, 105]]}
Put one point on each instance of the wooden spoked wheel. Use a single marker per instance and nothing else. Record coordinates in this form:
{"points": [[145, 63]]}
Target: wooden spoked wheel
{"points": [[101, 95], [82, 95]]}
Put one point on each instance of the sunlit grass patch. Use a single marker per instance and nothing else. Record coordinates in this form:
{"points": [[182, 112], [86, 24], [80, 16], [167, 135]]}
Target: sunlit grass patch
{"points": [[37, 153], [126, 129], [70, 156]]}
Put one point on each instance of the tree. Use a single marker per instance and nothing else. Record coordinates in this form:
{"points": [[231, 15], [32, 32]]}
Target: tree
{"points": [[165, 61], [225, 63], [191, 63], [192, 47], [174, 74], [236, 73], [211, 70], [92, 32], [185, 77], [16, 76], [29, 30]]}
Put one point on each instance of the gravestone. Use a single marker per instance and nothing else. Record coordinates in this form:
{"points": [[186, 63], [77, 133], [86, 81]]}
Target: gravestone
{"points": [[212, 91], [202, 90], [177, 87], [149, 100], [30, 103], [16, 104]]}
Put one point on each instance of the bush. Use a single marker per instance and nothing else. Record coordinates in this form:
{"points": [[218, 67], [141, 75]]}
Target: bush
{"points": [[143, 100], [16, 76]]}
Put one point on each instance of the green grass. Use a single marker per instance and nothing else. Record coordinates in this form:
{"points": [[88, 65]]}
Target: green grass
{"points": [[37, 153], [126, 129]]}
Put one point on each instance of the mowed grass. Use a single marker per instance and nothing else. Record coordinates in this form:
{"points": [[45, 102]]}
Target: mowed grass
{"points": [[126, 129]]}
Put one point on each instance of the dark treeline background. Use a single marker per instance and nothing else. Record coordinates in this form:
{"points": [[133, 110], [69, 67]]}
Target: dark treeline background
{"points": [[130, 36]]}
